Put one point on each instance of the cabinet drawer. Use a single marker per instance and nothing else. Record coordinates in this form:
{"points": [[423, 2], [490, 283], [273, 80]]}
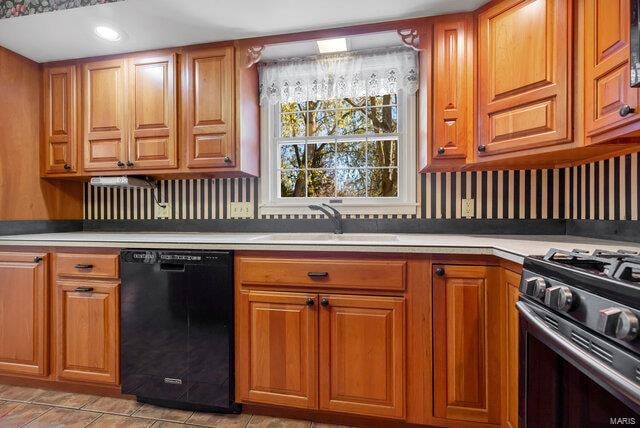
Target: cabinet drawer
{"points": [[88, 265], [365, 274]]}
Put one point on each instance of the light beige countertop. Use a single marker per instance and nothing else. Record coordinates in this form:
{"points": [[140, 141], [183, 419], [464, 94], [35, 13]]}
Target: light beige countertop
{"points": [[510, 247]]}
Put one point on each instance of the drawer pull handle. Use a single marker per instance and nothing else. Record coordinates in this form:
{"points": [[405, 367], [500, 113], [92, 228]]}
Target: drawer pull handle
{"points": [[83, 289], [310, 302], [83, 266], [324, 302], [318, 274]]}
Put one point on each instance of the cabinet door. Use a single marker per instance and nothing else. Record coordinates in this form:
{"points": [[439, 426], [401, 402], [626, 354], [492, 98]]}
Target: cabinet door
{"points": [[607, 87], [87, 323], [511, 282], [152, 113], [362, 355], [61, 150], [209, 109], [452, 90], [104, 141], [524, 66], [278, 348], [466, 334], [23, 314]]}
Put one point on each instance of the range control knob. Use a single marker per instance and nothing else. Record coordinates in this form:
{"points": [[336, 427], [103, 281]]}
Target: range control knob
{"points": [[559, 298], [534, 287], [619, 323]]}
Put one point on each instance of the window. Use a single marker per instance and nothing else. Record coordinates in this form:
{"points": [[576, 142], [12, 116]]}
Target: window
{"points": [[357, 151]]}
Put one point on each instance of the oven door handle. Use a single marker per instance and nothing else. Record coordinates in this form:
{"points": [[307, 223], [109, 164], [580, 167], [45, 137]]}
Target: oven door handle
{"points": [[626, 389]]}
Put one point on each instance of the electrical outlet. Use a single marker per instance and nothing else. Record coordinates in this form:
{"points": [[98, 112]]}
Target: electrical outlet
{"points": [[240, 209], [162, 210], [468, 208]]}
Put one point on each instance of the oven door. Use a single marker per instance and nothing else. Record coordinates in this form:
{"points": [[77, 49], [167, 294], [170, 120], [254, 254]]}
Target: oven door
{"points": [[567, 377]]}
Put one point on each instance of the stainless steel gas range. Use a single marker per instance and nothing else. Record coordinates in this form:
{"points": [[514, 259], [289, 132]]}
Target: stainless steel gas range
{"points": [[579, 339]]}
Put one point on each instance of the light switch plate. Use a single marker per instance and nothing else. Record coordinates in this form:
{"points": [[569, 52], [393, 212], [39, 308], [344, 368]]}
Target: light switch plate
{"points": [[162, 210], [240, 209], [468, 208]]}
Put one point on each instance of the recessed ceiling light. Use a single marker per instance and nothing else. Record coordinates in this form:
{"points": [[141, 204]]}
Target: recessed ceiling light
{"points": [[107, 33], [332, 45]]}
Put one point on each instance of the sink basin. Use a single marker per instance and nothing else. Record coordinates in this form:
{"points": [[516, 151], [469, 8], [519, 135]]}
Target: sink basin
{"points": [[348, 237]]}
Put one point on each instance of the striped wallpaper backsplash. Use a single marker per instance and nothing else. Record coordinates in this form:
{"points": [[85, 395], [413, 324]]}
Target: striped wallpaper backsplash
{"points": [[605, 190]]}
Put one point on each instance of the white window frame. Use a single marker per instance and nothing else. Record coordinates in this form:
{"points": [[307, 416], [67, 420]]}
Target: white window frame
{"points": [[404, 204]]}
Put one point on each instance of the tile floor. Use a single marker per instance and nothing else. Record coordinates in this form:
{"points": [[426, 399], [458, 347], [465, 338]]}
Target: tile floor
{"points": [[31, 407]]}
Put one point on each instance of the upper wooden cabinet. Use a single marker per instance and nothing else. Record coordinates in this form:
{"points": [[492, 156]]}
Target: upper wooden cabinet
{"points": [[466, 343], [453, 72], [129, 109], [104, 142], [61, 147], [524, 75], [23, 314], [608, 94]]}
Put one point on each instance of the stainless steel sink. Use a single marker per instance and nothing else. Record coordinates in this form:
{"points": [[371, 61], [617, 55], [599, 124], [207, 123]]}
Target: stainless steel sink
{"points": [[324, 237]]}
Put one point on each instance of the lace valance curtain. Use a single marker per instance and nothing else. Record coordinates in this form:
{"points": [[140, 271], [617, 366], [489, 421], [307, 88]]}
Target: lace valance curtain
{"points": [[347, 75]]}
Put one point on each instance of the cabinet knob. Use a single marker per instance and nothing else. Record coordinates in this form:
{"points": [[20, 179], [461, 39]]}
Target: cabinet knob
{"points": [[440, 271], [120, 164], [67, 167], [130, 164], [310, 302], [626, 109], [482, 148], [324, 302], [37, 259], [227, 159], [441, 150]]}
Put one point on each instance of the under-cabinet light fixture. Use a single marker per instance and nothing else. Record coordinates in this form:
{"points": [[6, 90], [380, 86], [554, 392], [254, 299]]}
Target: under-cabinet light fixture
{"points": [[332, 45]]}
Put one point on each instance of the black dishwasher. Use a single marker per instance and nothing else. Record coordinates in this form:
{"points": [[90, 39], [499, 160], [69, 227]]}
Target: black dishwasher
{"points": [[176, 328]]}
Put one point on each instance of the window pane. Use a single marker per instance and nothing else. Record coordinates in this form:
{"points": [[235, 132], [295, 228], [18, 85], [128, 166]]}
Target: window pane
{"points": [[351, 182], [383, 153], [293, 125], [322, 123], [292, 107], [292, 184], [383, 120], [350, 154], [383, 182], [320, 155], [321, 183], [383, 100], [292, 156], [324, 104], [351, 122], [353, 102]]}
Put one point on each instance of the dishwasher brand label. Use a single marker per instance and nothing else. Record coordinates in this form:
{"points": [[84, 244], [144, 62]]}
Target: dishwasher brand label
{"points": [[173, 381]]}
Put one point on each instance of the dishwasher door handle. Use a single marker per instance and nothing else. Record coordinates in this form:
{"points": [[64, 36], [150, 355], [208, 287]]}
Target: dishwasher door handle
{"points": [[172, 267]]}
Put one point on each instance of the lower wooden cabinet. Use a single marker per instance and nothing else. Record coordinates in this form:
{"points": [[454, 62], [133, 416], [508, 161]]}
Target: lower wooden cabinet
{"points": [[23, 314], [280, 333], [332, 352], [87, 330], [362, 355], [466, 335], [510, 284]]}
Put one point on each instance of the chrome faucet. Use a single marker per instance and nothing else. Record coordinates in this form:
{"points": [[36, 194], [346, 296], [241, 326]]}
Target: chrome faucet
{"points": [[335, 216]]}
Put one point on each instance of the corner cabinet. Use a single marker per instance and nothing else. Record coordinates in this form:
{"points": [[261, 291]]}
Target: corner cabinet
{"points": [[524, 74], [24, 314], [60, 155], [611, 104], [466, 336], [129, 109]]}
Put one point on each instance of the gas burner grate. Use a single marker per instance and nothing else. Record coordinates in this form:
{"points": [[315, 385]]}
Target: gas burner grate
{"points": [[629, 270], [601, 261]]}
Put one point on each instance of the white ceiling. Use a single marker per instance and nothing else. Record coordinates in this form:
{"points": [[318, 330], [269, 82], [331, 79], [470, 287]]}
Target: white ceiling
{"points": [[150, 24]]}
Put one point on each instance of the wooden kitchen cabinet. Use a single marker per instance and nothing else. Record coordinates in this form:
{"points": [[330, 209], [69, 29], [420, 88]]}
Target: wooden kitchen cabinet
{"points": [[607, 89], [130, 119], [279, 342], [60, 121], [87, 324], [466, 343], [510, 284], [23, 314], [524, 76], [362, 356], [453, 74]]}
